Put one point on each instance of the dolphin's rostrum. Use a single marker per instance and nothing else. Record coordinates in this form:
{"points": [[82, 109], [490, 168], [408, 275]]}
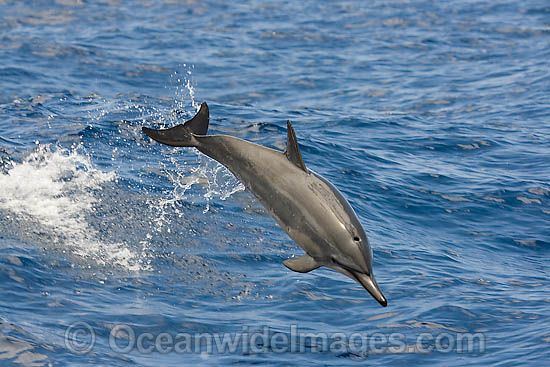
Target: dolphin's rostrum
{"points": [[312, 211]]}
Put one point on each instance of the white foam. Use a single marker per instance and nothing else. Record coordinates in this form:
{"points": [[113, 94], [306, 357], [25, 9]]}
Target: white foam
{"points": [[57, 188]]}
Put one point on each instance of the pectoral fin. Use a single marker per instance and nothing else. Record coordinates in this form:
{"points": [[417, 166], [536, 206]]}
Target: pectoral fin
{"points": [[302, 264]]}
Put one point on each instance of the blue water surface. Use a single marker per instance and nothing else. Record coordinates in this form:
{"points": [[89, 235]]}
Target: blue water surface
{"points": [[432, 118]]}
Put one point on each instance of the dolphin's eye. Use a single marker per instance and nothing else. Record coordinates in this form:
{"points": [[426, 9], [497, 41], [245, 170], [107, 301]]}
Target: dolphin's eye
{"points": [[356, 239]]}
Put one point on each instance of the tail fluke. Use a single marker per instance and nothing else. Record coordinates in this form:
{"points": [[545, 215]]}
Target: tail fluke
{"points": [[183, 135], [199, 123]]}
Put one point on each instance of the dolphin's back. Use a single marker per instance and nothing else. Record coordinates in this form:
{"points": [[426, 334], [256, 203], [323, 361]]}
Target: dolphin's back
{"points": [[257, 167], [292, 196]]}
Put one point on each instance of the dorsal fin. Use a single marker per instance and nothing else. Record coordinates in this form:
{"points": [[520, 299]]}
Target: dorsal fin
{"points": [[292, 151]]}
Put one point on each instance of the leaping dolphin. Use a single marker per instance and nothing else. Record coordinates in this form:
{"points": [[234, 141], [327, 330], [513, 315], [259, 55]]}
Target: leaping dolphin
{"points": [[310, 209]]}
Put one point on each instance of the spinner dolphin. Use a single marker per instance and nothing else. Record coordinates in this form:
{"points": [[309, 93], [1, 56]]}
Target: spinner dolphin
{"points": [[310, 209]]}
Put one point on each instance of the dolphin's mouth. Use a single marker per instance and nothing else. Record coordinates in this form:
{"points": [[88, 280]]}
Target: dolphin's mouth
{"points": [[367, 281]]}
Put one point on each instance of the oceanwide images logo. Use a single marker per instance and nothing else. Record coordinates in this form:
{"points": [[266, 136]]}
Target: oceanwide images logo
{"points": [[80, 338]]}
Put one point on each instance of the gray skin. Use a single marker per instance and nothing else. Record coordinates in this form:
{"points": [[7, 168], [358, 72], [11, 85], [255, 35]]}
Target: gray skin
{"points": [[310, 209]]}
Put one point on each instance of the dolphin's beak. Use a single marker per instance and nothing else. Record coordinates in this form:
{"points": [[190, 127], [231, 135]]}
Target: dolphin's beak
{"points": [[368, 282]]}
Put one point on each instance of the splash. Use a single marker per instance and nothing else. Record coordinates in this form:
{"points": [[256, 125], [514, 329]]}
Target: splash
{"points": [[184, 91], [220, 183], [57, 190], [217, 182]]}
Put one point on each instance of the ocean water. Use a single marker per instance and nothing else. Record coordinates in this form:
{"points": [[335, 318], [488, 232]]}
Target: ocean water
{"points": [[432, 118]]}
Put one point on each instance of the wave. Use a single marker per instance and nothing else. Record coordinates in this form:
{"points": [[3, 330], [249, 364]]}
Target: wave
{"points": [[48, 197]]}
